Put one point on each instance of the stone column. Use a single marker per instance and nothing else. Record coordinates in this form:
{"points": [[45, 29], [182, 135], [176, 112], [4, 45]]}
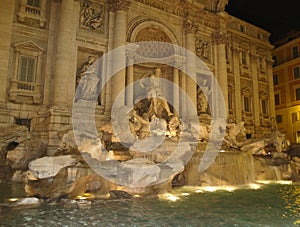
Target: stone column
{"points": [[129, 90], [183, 97], [237, 85], [120, 8], [256, 102], [65, 70], [191, 88], [175, 89], [271, 88], [108, 63], [6, 25], [219, 40]]}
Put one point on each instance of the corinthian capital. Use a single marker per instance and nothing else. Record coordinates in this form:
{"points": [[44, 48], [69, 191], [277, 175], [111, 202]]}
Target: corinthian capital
{"points": [[119, 5], [219, 38], [190, 27]]}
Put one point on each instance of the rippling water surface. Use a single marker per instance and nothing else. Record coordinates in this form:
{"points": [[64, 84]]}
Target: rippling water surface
{"points": [[269, 205]]}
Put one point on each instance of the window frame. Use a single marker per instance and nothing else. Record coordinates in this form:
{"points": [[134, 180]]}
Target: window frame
{"points": [[275, 82], [296, 75], [275, 99], [20, 73], [295, 53]]}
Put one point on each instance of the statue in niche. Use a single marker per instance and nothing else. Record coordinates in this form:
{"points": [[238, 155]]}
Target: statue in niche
{"points": [[92, 16], [151, 84], [203, 94], [202, 49], [87, 81]]}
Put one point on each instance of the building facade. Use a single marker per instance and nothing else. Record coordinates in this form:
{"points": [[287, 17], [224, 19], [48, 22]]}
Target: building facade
{"points": [[286, 73], [45, 44]]}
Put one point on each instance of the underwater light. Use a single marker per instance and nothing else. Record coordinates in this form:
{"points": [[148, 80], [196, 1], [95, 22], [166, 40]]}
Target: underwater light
{"points": [[170, 197], [81, 197], [185, 193], [209, 188], [284, 182], [229, 188], [274, 182], [221, 151], [254, 186], [13, 199]]}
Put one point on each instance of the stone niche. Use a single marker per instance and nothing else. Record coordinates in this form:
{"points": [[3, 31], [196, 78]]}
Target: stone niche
{"points": [[86, 59]]}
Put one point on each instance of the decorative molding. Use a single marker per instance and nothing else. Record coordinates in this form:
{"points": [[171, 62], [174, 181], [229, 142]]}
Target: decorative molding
{"points": [[190, 27], [140, 23], [219, 37], [119, 5], [203, 49]]}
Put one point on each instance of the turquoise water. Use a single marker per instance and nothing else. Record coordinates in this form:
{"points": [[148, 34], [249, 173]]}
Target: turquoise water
{"points": [[270, 205]]}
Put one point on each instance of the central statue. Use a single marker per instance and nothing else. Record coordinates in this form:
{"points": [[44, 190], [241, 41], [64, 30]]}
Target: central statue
{"points": [[157, 104], [154, 110]]}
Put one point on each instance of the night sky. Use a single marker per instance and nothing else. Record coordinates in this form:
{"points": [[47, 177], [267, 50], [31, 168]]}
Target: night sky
{"points": [[277, 17]]}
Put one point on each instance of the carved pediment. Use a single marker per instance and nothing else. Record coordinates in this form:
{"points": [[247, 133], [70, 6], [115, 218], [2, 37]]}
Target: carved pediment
{"points": [[263, 94], [247, 91], [29, 45]]}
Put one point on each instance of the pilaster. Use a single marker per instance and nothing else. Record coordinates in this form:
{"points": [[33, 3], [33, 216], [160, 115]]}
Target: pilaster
{"points": [[190, 28], [65, 70], [219, 40], [6, 25], [237, 84], [256, 101], [120, 8]]}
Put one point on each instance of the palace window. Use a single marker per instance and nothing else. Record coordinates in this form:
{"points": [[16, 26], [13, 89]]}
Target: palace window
{"points": [[295, 52], [242, 28], [297, 94], [275, 79], [35, 3], [275, 61], [277, 99], [26, 80], [279, 118], [247, 106], [244, 58], [296, 72], [27, 69], [295, 116], [264, 106], [262, 64]]}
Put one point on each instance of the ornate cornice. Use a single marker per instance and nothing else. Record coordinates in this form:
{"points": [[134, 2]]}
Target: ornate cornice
{"points": [[190, 27], [119, 5]]}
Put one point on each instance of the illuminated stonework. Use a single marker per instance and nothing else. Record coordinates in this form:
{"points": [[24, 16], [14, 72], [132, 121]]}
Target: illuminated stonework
{"points": [[38, 80]]}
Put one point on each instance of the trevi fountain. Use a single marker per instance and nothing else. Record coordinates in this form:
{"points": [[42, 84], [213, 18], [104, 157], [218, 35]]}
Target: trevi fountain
{"points": [[148, 166]]}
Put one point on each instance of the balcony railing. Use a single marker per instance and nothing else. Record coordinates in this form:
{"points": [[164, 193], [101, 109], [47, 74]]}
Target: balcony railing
{"points": [[32, 12], [25, 86]]}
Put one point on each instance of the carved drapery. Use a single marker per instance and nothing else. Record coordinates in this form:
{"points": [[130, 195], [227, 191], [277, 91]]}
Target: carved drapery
{"points": [[92, 16]]}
